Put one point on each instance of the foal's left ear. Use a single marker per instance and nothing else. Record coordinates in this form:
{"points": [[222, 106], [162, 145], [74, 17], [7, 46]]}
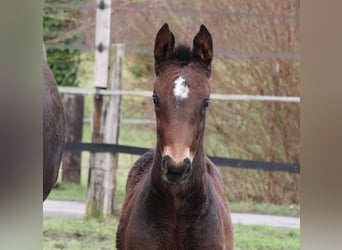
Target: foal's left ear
{"points": [[203, 48]]}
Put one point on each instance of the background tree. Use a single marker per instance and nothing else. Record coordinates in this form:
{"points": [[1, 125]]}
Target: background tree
{"points": [[60, 26]]}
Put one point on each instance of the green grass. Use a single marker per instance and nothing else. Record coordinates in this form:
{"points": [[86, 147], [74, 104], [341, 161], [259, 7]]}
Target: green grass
{"points": [[72, 191], [75, 233], [264, 208], [265, 238], [68, 191]]}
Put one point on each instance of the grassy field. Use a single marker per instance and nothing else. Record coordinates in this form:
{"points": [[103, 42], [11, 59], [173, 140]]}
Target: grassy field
{"points": [[91, 234]]}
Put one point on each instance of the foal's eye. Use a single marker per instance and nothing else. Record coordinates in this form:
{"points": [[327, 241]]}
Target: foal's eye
{"points": [[155, 100], [205, 104]]}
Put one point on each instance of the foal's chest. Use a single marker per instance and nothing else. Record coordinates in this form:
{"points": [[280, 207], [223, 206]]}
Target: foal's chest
{"points": [[197, 233]]}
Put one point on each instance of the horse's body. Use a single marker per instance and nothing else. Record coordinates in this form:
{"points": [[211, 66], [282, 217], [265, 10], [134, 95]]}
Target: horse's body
{"points": [[174, 194], [53, 130]]}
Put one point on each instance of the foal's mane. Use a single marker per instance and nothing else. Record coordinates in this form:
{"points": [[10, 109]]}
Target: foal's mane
{"points": [[182, 54]]}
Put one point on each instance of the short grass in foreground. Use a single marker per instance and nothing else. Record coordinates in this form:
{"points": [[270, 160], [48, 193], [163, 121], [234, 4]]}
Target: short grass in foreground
{"points": [[75, 233], [90, 234], [265, 238]]}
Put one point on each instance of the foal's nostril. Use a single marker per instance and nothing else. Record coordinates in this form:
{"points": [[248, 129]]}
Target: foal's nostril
{"points": [[165, 163], [173, 171]]}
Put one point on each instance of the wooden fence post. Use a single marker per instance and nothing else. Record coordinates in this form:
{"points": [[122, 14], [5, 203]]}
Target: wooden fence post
{"points": [[95, 206], [73, 112], [112, 127], [102, 185]]}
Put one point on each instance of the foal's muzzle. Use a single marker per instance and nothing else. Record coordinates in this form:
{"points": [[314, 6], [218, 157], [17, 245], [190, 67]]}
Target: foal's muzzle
{"points": [[175, 173]]}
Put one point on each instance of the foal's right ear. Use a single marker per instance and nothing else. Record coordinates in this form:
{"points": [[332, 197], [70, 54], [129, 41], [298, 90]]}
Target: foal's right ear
{"points": [[163, 47], [203, 48]]}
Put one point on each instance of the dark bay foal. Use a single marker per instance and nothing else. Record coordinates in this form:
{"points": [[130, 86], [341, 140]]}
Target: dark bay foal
{"points": [[53, 130], [174, 194]]}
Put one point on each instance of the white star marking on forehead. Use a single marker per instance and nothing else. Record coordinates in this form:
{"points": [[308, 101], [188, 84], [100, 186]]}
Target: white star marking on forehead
{"points": [[181, 90]]}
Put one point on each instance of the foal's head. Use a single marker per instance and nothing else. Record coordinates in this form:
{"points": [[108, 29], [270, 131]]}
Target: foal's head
{"points": [[181, 97]]}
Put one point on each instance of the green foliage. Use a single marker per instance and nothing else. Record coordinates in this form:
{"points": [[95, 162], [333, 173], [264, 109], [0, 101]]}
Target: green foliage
{"points": [[64, 64], [60, 26], [142, 65]]}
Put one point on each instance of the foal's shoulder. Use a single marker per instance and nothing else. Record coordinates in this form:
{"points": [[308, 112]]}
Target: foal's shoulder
{"points": [[213, 171], [145, 161], [139, 169], [217, 182]]}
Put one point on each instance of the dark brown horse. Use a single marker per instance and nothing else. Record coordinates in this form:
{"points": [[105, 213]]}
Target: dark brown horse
{"points": [[53, 130], [174, 194]]}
